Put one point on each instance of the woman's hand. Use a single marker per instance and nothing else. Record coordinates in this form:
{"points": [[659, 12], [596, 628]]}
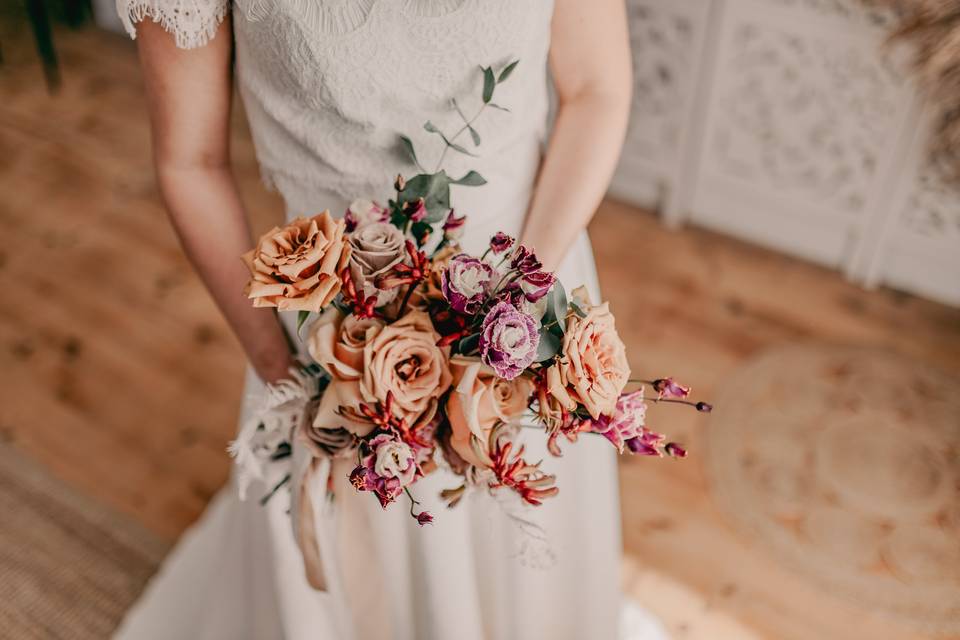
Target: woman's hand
{"points": [[189, 94], [590, 61]]}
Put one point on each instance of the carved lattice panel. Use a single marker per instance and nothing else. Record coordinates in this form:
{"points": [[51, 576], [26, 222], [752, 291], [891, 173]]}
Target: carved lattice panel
{"points": [[802, 126], [919, 248], [666, 39]]}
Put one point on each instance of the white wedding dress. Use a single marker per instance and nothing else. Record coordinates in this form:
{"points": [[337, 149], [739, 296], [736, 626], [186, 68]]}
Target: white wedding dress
{"points": [[328, 86]]}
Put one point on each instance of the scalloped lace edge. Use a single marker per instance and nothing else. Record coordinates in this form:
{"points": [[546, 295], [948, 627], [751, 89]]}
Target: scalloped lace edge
{"points": [[193, 23]]}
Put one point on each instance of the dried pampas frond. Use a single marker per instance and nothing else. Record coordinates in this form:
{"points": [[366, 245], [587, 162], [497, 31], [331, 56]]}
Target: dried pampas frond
{"points": [[932, 29]]}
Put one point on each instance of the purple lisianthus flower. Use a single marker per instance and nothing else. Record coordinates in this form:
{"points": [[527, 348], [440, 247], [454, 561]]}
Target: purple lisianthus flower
{"points": [[537, 284], [466, 282], [525, 261], [511, 293], [386, 469], [453, 226], [669, 388], [625, 424], [508, 340], [500, 242]]}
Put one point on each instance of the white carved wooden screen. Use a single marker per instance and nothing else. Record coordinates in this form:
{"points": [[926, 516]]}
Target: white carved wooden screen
{"points": [[787, 122]]}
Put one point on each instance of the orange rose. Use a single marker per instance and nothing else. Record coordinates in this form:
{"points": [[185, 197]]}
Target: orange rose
{"points": [[480, 401], [592, 369], [297, 267], [403, 359], [337, 341]]}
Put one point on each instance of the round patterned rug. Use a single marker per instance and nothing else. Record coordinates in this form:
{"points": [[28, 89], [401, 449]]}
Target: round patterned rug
{"points": [[846, 464]]}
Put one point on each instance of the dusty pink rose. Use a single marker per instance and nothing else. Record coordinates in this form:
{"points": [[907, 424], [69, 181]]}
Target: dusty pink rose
{"points": [[375, 249], [593, 368], [480, 400], [297, 267]]}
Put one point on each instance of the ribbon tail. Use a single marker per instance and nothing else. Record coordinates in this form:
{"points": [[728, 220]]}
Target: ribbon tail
{"points": [[308, 473]]}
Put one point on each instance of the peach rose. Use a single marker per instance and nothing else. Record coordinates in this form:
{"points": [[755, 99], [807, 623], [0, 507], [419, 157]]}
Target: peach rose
{"points": [[592, 369], [403, 358], [479, 402], [336, 342], [297, 267]]}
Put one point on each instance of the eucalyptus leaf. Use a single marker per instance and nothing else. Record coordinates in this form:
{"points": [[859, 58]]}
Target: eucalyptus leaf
{"points": [[508, 70], [407, 145], [558, 300], [457, 147], [434, 188], [421, 230], [429, 126], [301, 318], [469, 343], [474, 135], [497, 106], [471, 179], [556, 308], [549, 345], [578, 309], [489, 82]]}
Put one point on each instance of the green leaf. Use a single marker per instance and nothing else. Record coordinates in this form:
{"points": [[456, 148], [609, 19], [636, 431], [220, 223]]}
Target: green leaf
{"points": [[429, 126], [301, 318], [508, 70], [421, 230], [471, 179], [434, 188], [496, 106], [474, 135], [489, 82], [468, 343], [577, 309], [549, 345], [462, 150], [556, 308], [407, 145]]}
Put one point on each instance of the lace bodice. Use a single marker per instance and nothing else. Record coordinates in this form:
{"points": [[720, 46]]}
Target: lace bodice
{"points": [[329, 85]]}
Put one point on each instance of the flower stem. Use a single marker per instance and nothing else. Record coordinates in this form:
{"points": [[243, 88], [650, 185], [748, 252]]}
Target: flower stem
{"points": [[276, 487], [406, 299]]}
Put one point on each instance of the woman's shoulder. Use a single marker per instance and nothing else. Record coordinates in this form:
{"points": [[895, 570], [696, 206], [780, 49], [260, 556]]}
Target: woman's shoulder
{"points": [[192, 23]]}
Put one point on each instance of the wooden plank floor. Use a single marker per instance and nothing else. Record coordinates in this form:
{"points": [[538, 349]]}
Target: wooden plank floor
{"points": [[118, 375]]}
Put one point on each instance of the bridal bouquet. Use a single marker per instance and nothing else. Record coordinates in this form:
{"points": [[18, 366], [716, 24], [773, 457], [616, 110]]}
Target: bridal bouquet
{"points": [[425, 356]]}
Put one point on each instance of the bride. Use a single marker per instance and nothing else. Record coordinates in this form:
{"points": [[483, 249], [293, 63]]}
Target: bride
{"points": [[328, 87]]}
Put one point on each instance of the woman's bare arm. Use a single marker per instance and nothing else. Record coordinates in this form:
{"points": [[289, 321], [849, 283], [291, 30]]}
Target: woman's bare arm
{"points": [[590, 61], [189, 94]]}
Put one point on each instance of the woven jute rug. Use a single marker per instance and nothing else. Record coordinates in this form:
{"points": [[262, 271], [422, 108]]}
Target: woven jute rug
{"points": [[69, 567], [845, 464]]}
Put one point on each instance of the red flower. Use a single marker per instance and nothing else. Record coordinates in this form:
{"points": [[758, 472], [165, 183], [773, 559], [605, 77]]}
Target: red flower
{"points": [[525, 261], [406, 274], [416, 210], [359, 306], [515, 473], [424, 518]]}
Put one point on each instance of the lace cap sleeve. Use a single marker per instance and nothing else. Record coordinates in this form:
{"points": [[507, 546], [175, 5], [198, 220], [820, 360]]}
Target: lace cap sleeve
{"points": [[191, 22]]}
